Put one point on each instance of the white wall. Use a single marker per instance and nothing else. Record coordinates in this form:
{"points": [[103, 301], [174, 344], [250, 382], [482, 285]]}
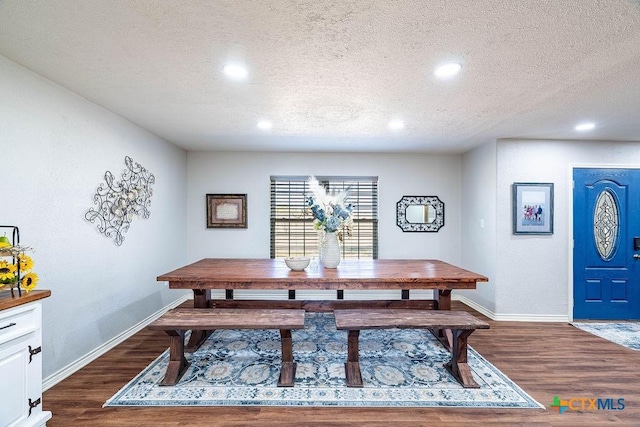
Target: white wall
{"points": [[54, 150], [478, 243], [399, 175], [533, 273]]}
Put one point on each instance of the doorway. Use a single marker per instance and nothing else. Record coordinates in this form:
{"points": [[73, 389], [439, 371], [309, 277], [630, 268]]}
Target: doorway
{"points": [[606, 250]]}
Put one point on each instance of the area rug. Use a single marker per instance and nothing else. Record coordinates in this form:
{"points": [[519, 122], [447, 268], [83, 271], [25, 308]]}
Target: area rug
{"points": [[400, 368], [623, 333]]}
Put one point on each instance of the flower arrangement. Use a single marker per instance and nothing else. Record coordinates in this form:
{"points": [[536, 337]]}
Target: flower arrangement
{"points": [[18, 271], [329, 211]]}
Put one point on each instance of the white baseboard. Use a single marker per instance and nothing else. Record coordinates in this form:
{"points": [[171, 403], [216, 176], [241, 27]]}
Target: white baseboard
{"points": [[511, 317], [73, 367], [477, 307]]}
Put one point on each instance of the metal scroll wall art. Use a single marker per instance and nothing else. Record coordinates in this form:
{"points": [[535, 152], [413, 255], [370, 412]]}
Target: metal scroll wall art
{"points": [[118, 201]]}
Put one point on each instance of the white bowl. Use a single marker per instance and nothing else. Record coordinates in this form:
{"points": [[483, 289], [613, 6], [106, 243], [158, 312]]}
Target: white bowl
{"points": [[297, 263]]}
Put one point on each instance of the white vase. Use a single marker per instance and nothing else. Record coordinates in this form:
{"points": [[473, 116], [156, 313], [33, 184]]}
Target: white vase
{"points": [[330, 251]]}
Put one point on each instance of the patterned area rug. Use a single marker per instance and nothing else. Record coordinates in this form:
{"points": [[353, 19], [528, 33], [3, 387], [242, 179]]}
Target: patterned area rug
{"points": [[623, 333], [400, 368]]}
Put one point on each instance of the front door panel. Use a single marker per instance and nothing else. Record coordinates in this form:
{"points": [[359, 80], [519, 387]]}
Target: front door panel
{"points": [[606, 217]]}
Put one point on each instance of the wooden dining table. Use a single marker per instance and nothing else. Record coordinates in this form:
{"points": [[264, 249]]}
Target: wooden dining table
{"points": [[403, 275]]}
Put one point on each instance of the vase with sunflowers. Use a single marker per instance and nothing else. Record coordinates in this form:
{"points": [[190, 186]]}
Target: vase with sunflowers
{"points": [[16, 269]]}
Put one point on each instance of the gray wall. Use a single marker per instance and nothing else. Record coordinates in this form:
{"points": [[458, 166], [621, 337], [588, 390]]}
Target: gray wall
{"points": [[530, 274], [478, 243], [534, 274], [399, 175], [55, 148]]}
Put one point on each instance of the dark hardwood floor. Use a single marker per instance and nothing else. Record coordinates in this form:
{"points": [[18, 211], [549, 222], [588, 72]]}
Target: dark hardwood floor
{"points": [[544, 359]]}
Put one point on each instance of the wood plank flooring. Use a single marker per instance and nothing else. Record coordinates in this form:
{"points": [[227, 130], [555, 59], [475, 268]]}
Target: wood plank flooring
{"points": [[544, 359]]}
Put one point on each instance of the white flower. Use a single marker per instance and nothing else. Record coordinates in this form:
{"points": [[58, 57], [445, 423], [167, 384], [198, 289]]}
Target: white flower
{"points": [[329, 210]]}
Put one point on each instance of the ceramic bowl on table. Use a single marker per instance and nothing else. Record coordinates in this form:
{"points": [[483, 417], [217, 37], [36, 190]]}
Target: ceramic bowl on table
{"points": [[297, 263]]}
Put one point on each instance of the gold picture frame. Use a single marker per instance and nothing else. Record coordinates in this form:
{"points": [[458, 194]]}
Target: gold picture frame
{"points": [[226, 211]]}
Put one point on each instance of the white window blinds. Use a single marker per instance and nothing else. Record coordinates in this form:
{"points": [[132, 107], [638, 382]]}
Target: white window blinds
{"points": [[292, 232]]}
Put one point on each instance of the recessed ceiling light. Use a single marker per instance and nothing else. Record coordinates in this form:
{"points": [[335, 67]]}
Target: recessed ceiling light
{"points": [[264, 124], [396, 124], [583, 127], [235, 71], [447, 70]]}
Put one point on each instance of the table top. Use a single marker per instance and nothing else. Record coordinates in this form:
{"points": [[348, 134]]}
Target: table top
{"points": [[351, 274], [8, 301]]}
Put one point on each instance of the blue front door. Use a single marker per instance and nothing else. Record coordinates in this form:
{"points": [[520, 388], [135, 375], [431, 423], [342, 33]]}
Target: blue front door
{"points": [[606, 258]]}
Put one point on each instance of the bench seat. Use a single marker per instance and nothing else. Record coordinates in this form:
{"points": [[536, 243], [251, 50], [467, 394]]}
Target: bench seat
{"points": [[460, 323], [177, 321]]}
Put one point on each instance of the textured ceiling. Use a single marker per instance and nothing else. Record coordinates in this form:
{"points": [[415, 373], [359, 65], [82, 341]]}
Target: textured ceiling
{"points": [[330, 75]]}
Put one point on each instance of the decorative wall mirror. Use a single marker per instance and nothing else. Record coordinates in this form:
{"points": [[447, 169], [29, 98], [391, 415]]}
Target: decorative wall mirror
{"points": [[420, 213]]}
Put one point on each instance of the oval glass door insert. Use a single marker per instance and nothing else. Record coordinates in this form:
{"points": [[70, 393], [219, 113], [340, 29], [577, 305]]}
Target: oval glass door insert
{"points": [[606, 224]]}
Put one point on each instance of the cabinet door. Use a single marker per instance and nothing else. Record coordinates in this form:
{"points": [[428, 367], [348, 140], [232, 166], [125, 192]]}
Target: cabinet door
{"points": [[13, 387]]}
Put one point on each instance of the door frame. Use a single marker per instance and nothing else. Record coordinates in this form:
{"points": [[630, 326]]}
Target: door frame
{"points": [[573, 166]]}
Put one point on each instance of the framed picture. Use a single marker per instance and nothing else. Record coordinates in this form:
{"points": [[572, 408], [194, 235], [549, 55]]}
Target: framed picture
{"points": [[532, 208], [226, 211]]}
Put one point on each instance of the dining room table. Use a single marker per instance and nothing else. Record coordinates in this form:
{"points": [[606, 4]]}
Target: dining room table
{"points": [[403, 275]]}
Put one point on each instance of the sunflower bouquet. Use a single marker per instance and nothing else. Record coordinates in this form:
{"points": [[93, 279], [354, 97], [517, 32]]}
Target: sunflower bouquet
{"points": [[18, 270]]}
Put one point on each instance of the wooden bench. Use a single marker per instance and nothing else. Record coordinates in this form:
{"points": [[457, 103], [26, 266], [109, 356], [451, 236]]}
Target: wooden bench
{"points": [[461, 324], [177, 321]]}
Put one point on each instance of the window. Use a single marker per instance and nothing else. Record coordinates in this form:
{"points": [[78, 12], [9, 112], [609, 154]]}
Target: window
{"points": [[292, 232]]}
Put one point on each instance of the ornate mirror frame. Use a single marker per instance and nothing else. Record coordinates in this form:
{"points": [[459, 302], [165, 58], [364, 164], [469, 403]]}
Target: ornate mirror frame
{"points": [[433, 201]]}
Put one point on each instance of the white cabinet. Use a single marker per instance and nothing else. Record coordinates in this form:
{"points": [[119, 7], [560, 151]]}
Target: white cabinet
{"points": [[21, 362]]}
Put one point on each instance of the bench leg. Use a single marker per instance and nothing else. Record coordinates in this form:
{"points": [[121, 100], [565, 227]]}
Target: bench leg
{"points": [[196, 339], [442, 298], [352, 367], [458, 366], [177, 362], [288, 368], [445, 336]]}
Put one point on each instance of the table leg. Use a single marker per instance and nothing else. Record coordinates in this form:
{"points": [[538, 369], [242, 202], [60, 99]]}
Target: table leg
{"points": [[458, 366], [288, 368], [352, 367], [201, 299], [442, 298]]}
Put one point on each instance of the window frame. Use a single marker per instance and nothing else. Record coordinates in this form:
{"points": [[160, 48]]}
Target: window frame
{"points": [[288, 207]]}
